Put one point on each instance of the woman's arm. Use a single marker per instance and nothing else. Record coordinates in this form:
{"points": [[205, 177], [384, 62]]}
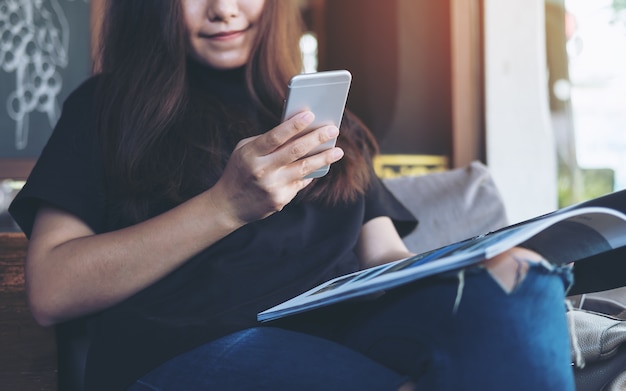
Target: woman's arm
{"points": [[71, 271], [380, 243]]}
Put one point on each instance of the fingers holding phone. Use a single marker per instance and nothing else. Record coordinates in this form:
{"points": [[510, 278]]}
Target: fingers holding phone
{"points": [[311, 154], [265, 172], [291, 141]]}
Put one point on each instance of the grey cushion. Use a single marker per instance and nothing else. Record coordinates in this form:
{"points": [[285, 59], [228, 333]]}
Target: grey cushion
{"points": [[450, 206]]}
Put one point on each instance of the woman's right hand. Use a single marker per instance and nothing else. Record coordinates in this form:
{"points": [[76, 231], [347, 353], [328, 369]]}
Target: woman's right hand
{"points": [[265, 172]]}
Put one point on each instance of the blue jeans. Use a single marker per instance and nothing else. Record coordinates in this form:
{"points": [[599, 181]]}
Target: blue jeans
{"points": [[438, 333]]}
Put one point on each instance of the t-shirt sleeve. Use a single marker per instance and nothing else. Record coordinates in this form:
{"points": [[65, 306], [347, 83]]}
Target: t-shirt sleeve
{"points": [[68, 173], [379, 201]]}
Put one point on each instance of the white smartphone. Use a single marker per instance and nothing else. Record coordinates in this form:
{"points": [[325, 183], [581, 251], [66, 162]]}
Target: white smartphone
{"points": [[323, 93]]}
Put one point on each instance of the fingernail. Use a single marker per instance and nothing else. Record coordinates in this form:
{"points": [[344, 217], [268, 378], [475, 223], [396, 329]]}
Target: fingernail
{"points": [[307, 116], [333, 131]]}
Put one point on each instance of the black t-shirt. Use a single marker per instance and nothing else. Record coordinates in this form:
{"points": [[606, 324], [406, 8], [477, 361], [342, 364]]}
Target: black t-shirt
{"points": [[217, 291]]}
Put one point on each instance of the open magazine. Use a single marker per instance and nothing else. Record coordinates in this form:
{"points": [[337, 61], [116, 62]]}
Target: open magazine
{"points": [[566, 235]]}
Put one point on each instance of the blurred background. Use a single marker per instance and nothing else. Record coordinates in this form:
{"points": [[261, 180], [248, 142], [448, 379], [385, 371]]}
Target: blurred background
{"points": [[535, 89], [587, 66]]}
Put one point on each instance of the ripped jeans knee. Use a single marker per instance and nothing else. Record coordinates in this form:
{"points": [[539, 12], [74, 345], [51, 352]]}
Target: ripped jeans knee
{"points": [[510, 269]]}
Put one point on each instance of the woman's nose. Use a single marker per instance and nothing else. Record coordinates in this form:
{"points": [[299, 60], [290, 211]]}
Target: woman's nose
{"points": [[223, 10]]}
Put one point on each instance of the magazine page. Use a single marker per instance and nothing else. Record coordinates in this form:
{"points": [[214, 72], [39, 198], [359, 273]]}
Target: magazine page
{"points": [[579, 237], [607, 224]]}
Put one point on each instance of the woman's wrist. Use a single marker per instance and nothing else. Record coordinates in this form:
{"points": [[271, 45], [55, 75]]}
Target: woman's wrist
{"points": [[222, 210]]}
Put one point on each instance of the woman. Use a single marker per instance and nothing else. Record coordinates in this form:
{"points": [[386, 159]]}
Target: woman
{"points": [[169, 207]]}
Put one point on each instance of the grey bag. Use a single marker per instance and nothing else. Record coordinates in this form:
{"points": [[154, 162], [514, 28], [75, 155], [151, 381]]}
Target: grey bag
{"points": [[598, 342]]}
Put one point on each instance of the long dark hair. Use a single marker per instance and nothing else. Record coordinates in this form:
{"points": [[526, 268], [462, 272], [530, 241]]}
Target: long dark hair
{"points": [[153, 137]]}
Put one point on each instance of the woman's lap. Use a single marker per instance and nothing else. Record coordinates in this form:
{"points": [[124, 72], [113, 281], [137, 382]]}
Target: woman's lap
{"points": [[272, 359], [443, 334]]}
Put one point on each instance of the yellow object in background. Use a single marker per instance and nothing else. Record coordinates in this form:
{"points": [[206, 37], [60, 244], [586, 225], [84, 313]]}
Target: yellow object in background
{"points": [[391, 166]]}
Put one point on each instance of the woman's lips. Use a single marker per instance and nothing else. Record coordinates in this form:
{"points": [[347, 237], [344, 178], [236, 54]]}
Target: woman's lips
{"points": [[225, 35]]}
